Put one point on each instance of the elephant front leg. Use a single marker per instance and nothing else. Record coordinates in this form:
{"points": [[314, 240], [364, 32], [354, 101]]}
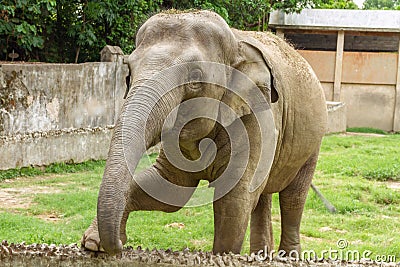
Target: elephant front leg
{"points": [[261, 235], [91, 240], [138, 199], [292, 200], [231, 217]]}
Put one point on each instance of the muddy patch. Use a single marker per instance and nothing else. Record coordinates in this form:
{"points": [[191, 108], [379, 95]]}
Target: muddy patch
{"points": [[393, 185], [49, 217], [15, 199], [72, 255], [10, 201], [21, 198]]}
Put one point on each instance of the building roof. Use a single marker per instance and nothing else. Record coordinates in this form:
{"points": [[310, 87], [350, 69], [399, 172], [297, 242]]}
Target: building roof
{"points": [[338, 19]]}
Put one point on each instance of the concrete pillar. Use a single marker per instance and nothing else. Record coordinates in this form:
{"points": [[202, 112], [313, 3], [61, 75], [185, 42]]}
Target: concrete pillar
{"points": [[3, 82], [338, 66], [396, 117], [337, 120], [115, 54], [111, 54], [280, 33]]}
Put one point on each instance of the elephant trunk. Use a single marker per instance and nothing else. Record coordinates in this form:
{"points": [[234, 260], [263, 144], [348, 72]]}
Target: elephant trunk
{"points": [[138, 128]]}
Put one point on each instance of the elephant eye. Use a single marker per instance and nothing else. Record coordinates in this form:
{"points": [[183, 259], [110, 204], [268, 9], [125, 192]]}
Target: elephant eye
{"points": [[195, 77], [264, 85]]}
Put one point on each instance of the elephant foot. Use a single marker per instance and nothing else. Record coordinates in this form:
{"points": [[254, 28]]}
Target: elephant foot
{"points": [[292, 250], [91, 239]]}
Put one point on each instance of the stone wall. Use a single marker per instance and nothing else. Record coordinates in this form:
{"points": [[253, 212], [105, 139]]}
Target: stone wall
{"points": [[46, 147], [43, 97], [58, 112]]}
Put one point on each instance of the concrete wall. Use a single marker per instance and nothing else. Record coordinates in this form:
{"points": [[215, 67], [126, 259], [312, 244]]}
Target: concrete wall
{"points": [[58, 112], [43, 97], [46, 147], [368, 86]]}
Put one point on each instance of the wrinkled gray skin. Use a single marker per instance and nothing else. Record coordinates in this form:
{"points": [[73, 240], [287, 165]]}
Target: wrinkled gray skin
{"points": [[299, 111]]}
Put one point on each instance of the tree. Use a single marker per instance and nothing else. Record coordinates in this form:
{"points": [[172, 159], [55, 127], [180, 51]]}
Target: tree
{"points": [[382, 4], [85, 26], [69, 30], [24, 25], [77, 30], [245, 15], [335, 4]]}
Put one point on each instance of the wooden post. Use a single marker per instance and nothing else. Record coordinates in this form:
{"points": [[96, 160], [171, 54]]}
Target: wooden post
{"points": [[396, 117], [338, 66]]}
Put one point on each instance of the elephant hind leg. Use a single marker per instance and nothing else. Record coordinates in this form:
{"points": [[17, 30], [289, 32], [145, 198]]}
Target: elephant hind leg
{"points": [[261, 235], [292, 200]]}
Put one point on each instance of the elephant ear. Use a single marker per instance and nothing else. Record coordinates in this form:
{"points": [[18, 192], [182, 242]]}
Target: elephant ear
{"points": [[250, 52], [252, 61]]}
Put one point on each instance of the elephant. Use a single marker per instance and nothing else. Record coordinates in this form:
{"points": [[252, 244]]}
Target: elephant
{"points": [[259, 138]]}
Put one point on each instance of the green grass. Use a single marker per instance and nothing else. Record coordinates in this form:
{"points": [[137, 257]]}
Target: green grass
{"points": [[63, 167], [52, 168], [366, 130], [353, 173], [374, 158]]}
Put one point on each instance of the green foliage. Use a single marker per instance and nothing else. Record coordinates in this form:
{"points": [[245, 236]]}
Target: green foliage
{"points": [[23, 25], [245, 15], [69, 30], [381, 4], [77, 30], [335, 4]]}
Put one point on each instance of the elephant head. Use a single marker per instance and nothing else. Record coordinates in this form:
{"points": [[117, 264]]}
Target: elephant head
{"points": [[178, 57]]}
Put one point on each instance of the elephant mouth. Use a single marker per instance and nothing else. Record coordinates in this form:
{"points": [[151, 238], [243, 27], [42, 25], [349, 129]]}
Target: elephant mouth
{"points": [[196, 129]]}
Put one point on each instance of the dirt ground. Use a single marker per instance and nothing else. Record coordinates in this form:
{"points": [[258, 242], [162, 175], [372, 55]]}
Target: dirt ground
{"points": [[72, 255], [13, 199]]}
